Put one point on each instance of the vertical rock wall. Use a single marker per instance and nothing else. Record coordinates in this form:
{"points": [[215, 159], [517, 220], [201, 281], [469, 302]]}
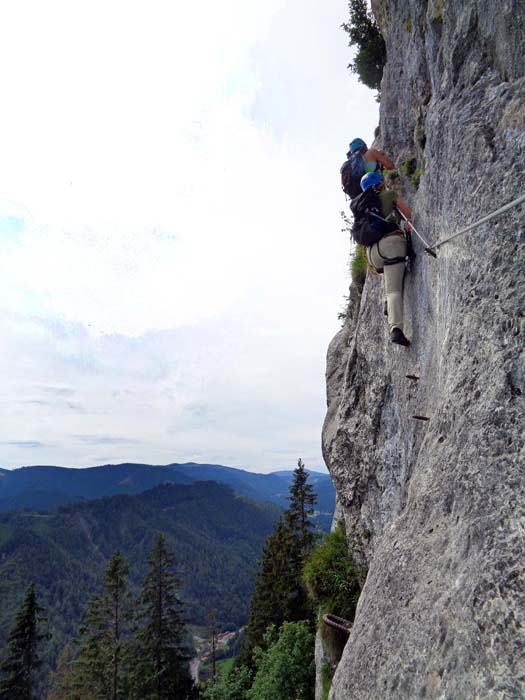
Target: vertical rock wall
{"points": [[436, 508]]}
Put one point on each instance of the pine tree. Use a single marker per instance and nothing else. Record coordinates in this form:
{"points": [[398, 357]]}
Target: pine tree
{"points": [[279, 594], [275, 587], [117, 600], [90, 673], [162, 671], [97, 672], [22, 655], [302, 531], [302, 501], [60, 680]]}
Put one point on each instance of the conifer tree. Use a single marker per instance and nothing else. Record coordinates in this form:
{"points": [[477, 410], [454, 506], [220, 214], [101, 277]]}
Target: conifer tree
{"points": [[90, 673], [302, 501], [97, 671], [118, 603], [60, 680], [22, 651], [302, 532], [279, 594], [162, 671], [274, 590]]}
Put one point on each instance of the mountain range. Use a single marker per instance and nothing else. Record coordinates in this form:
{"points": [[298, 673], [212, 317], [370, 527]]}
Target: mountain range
{"points": [[59, 526], [44, 488]]}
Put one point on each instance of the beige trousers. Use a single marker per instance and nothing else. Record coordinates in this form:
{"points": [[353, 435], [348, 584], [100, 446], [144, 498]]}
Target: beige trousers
{"points": [[392, 246]]}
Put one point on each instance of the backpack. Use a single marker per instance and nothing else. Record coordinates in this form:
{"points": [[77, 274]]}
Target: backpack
{"points": [[352, 171], [369, 226]]}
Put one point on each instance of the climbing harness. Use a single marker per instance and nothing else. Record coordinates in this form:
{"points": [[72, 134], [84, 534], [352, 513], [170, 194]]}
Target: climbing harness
{"points": [[508, 206], [337, 623], [389, 261], [428, 248]]}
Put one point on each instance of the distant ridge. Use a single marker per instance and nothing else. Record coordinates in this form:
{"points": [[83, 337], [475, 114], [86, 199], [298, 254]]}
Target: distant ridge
{"points": [[44, 488]]}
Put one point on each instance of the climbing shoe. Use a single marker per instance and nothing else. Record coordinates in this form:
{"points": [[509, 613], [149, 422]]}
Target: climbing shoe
{"points": [[397, 336]]}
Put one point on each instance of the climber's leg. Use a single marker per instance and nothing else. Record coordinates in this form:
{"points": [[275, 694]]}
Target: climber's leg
{"points": [[383, 255]]}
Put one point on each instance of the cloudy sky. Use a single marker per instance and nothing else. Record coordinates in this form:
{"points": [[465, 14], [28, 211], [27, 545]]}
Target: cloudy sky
{"points": [[171, 255]]}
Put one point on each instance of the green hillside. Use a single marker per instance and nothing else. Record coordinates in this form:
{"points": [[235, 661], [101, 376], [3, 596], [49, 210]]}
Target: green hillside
{"points": [[217, 537]]}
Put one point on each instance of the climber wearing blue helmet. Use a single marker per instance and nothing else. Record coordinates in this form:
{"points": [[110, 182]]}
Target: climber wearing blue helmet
{"points": [[361, 160], [371, 180], [356, 145], [388, 255]]}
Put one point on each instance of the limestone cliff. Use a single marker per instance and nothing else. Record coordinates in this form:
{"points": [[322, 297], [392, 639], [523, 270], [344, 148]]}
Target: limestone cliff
{"points": [[437, 507]]}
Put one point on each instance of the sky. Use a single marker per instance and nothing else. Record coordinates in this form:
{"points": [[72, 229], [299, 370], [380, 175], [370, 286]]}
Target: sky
{"points": [[171, 255]]}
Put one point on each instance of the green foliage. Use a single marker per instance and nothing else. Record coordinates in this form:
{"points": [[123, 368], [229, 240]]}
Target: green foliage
{"points": [[275, 590], [219, 537], [161, 665], [120, 661], [286, 671], [224, 666], [390, 175], [232, 686], [279, 594], [359, 266], [412, 170], [343, 314], [416, 177], [98, 669], [435, 11], [301, 510], [326, 680], [419, 136], [22, 657], [332, 577], [364, 33], [62, 682], [409, 165]]}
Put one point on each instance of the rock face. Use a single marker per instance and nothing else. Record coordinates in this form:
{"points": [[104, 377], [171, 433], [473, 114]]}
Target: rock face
{"points": [[436, 508]]}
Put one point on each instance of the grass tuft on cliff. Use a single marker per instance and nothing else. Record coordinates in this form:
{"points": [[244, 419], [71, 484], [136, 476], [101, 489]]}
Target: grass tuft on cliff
{"points": [[332, 577]]}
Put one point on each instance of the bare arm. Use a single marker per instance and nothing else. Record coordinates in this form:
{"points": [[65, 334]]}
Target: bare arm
{"points": [[403, 207], [374, 154]]}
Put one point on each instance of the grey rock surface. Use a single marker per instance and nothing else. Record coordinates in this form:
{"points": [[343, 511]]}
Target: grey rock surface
{"points": [[321, 660], [438, 506]]}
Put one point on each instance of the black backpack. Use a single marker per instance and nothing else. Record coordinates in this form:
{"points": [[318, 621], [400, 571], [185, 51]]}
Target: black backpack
{"points": [[352, 171], [369, 226]]}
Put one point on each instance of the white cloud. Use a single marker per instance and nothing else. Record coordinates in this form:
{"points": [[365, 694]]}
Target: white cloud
{"points": [[176, 169]]}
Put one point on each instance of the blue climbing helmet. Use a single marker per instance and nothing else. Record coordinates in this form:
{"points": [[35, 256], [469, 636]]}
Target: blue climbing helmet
{"points": [[355, 145], [371, 180]]}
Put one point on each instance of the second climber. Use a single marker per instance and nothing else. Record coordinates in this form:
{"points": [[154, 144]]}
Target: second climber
{"points": [[377, 227]]}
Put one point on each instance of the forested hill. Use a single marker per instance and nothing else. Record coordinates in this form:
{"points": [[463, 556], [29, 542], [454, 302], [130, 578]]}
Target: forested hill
{"points": [[217, 537], [46, 487]]}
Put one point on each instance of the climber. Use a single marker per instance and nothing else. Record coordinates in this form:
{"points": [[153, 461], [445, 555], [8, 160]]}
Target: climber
{"points": [[361, 160], [388, 254]]}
